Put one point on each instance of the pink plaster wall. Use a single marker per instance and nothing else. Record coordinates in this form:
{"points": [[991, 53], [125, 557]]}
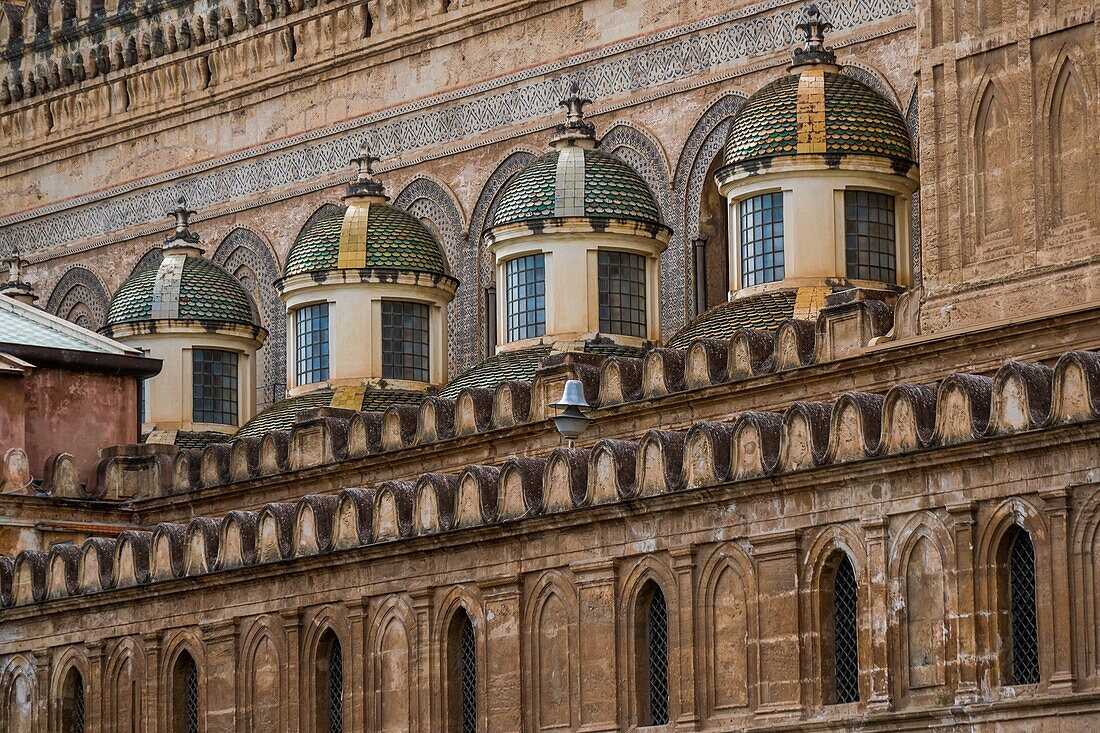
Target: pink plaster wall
{"points": [[77, 413]]}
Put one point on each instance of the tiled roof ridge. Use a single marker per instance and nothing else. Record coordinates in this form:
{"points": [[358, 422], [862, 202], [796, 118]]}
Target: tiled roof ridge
{"points": [[855, 426]]}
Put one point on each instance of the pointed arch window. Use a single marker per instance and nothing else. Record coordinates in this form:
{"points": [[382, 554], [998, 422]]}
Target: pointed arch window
{"points": [[72, 703], [651, 672], [330, 684], [462, 675], [840, 647], [1023, 630], [185, 695]]}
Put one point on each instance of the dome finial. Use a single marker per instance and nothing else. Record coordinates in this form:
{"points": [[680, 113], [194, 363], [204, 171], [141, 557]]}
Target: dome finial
{"points": [[575, 128], [182, 233], [814, 26], [365, 185], [16, 287]]}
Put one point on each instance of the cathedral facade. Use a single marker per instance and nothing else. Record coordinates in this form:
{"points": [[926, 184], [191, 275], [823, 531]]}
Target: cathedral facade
{"points": [[823, 281]]}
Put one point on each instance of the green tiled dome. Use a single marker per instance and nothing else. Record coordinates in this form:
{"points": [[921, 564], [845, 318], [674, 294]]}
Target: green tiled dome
{"points": [[204, 292], [520, 365], [856, 120], [611, 189], [396, 240], [283, 414], [765, 311]]}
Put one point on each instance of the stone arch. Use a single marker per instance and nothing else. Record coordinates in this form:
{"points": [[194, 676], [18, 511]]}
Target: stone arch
{"points": [[124, 682], [925, 601], [700, 211], [433, 203], [181, 647], [994, 155], [551, 624], [249, 258], [80, 297], [460, 603], [1009, 518], [261, 678], [831, 546], [729, 631], [482, 214], [1071, 197], [70, 687], [328, 624], [1086, 547], [392, 658], [18, 696], [151, 258], [636, 592], [912, 124]]}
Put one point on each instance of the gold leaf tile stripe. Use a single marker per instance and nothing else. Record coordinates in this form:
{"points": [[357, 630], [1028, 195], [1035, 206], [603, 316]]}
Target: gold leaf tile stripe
{"points": [[348, 398], [809, 301], [811, 111], [353, 238]]}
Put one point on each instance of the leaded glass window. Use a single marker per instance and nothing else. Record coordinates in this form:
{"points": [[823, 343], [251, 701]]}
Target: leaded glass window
{"points": [[311, 343], [845, 642], [405, 340], [462, 675], [870, 240], [214, 386], [656, 636], [525, 291], [1023, 624], [621, 279], [761, 225]]}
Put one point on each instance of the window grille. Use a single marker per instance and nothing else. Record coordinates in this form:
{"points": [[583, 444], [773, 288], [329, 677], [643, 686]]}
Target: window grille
{"points": [[78, 707], [467, 653], [657, 638], [405, 340], [525, 290], [845, 640], [214, 386], [870, 240], [762, 239], [621, 277], [1023, 630], [336, 689], [311, 343], [190, 695]]}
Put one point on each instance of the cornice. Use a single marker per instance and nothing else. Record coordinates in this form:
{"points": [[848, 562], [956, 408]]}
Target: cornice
{"points": [[645, 67]]}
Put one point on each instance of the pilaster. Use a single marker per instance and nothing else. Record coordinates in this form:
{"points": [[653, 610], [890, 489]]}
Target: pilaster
{"points": [[220, 678], [966, 631], [875, 529], [780, 682], [683, 562], [598, 668], [503, 684], [1056, 508]]}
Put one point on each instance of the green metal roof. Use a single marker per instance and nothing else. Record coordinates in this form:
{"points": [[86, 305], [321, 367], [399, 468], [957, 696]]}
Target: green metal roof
{"points": [[612, 189], [857, 120], [17, 328], [766, 311], [206, 293], [282, 414], [520, 365], [396, 240]]}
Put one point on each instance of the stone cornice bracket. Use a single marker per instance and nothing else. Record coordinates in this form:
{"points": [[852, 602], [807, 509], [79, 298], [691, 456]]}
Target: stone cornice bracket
{"points": [[814, 26], [576, 129]]}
